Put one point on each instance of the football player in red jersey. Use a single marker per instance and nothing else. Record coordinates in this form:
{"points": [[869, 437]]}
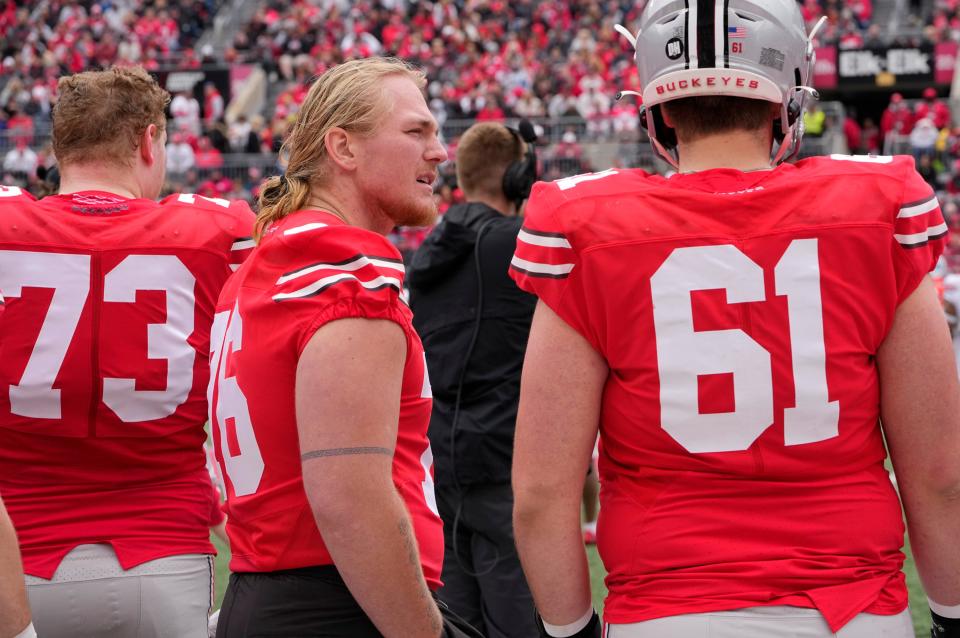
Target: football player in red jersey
{"points": [[737, 332], [109, 301], [319, 395]]}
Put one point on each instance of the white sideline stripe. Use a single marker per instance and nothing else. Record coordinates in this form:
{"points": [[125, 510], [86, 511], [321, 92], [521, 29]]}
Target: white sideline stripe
{"points": [[547, 242], [326, 281], [356, 264], [296, 230], [543, 269], [916, 238], [243, 244], [918, 209]]}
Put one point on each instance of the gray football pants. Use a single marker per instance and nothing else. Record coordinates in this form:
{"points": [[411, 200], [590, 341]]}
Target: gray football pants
{"points": [[764, 622], [91, 596]]}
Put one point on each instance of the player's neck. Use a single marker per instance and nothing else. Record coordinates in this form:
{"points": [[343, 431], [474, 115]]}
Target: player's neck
{"points": [[340, 199], [78, 179], [499, 204], [740, 150]]}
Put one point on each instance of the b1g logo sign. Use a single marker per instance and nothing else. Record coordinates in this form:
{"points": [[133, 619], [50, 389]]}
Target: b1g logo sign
{"points": [[684, 354]]}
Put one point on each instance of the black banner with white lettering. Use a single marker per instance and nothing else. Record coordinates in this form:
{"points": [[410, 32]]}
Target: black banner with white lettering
{"points": [[886, 68]]}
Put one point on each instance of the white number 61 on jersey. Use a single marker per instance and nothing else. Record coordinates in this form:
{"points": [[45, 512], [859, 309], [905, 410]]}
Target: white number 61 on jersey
{"points": [[684, 353]]}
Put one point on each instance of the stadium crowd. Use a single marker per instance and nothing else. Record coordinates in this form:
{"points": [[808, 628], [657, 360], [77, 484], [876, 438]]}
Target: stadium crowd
{"points": [[556, 62]]}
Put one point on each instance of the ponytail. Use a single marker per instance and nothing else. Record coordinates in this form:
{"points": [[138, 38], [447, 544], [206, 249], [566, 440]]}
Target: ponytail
{"points": [[279, 197]]}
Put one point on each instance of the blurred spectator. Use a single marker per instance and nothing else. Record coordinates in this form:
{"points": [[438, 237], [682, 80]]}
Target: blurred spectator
{"points": [[19, 126], [185, 110], [21, 160], [870, 137], [491, 110], [853, 134], [923, 139], [814, 120], [594, 107], [931, 107], [212, 105], [180, 156], [206, 156], [896, 121], [529, 105], [238, 134]]}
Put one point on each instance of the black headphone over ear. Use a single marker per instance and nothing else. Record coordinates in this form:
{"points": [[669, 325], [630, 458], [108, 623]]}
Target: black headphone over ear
{"points": [[665, 134], [521, 174]]}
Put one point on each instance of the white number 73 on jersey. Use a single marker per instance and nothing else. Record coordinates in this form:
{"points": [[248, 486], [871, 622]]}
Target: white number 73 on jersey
{"points": [[683, 353], [69, 277]]}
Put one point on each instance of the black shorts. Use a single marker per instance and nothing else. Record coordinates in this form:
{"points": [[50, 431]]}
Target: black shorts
{"points": [[310, 602]]}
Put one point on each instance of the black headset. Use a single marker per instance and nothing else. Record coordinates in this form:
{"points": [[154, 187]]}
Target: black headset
{"points": [[519, 177]]}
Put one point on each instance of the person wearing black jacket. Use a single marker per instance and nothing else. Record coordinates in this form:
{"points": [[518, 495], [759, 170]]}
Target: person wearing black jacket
{"points": [[474, 322]]}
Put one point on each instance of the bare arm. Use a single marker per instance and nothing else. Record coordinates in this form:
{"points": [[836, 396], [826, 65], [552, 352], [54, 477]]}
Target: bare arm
{"points": [[920, 411], [348, 401], [14, 611], [563, 378]]}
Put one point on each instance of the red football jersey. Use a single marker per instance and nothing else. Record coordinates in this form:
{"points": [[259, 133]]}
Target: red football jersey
{"points": [[309, 269], [741, 457], [109, 303]]}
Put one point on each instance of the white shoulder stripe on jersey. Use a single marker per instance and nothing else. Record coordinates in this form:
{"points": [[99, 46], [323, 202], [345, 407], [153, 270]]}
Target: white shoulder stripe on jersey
{"points": [[541, 269], [234, 267], [922, 238], [296, 230], [361, 261], [319, 285], [243, 244], [919, 209], [539, 240]]}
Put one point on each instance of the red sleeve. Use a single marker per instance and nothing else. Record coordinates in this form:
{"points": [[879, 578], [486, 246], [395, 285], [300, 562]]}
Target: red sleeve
{"points": [[919, 233], [547, 262], [336, 272]]}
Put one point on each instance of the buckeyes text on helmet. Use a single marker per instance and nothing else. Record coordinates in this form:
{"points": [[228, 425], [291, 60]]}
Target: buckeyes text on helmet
{"points": [[755, 49]]}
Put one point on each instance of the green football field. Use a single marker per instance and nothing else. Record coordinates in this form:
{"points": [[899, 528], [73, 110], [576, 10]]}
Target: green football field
{"points": [[918, 602]]}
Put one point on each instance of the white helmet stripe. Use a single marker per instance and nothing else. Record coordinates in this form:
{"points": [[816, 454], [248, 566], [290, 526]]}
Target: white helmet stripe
{"points": [[692, 34], [720, 34]]}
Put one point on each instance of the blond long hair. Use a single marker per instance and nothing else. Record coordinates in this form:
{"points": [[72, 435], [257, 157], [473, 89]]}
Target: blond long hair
{"points": [[349, 96]]}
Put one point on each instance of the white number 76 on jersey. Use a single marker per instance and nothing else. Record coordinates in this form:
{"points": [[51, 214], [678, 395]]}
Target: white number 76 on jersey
{"points": [[683, 353]]}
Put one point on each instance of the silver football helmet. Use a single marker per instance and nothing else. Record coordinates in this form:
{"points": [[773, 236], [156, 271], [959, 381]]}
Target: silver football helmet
{"points": [[746, 48]]}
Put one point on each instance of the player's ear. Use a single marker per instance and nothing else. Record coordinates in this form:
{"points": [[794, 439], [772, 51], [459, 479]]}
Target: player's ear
{"points": [[666, 115], [147, 139], [340, 147]]}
